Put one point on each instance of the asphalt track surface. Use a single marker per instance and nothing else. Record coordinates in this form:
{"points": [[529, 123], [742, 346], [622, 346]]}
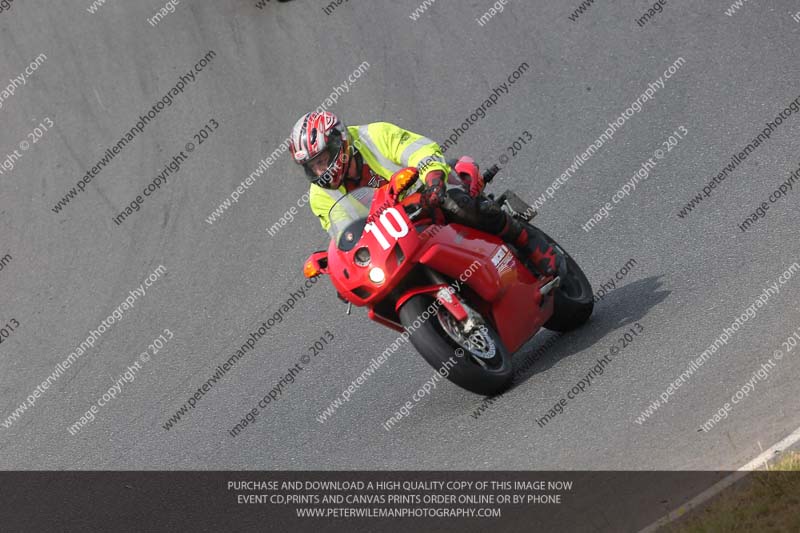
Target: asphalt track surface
{"points": [[693, 276]]}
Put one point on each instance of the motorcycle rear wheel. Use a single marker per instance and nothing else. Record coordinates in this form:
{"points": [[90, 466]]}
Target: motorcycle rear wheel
{"points": [[486, 376]]}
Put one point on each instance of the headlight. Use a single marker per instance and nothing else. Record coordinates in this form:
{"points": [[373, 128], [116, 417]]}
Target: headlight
{"points": [[362, 256], [376, 275]]}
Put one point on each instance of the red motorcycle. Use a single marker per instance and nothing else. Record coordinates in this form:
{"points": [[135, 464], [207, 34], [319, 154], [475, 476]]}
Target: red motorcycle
{"points": [[465, 298]]}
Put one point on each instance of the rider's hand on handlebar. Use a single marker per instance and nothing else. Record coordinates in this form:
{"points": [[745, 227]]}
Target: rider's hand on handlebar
{"points": [[429, 199], [434, 194]]}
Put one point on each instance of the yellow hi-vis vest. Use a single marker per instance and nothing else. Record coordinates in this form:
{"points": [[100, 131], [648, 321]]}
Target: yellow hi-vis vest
{"points": [[386, 148]]}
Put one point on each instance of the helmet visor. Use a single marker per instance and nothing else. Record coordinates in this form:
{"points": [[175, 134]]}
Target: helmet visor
{"points": [[324, 167]]}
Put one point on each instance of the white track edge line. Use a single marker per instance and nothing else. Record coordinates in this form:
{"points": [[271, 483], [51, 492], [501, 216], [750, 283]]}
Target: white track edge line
{"points": [[761, 460]]}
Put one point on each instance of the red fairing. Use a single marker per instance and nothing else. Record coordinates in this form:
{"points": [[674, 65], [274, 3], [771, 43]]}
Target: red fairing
{"points": [[481, 266], [501, 281]]}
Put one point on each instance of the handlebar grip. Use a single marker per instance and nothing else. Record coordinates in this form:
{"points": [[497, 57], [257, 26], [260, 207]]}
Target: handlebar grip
{"points": [[490, 173]]}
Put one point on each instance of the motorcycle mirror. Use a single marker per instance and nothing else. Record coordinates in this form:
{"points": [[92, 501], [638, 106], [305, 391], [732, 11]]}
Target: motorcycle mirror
{"points": [[403, 179], [316, 264], [490, 173]]}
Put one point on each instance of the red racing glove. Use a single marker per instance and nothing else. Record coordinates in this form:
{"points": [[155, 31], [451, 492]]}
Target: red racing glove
{"points": [[476, 186], [468, 171], [433, 195]]}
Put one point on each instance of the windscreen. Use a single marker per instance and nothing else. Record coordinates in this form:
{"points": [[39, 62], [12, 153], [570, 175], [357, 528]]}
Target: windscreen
{"points": [[348, 216]]}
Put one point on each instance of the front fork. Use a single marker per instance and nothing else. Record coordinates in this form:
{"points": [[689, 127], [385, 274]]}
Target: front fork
{"points": [[465, 326], [444, 294]]}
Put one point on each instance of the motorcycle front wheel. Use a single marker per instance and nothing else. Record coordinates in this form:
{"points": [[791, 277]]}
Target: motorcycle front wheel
{"points": [[474, 360]]}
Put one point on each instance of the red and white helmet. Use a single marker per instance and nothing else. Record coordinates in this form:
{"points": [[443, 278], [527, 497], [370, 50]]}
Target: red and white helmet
{"points": [[321, 143]]}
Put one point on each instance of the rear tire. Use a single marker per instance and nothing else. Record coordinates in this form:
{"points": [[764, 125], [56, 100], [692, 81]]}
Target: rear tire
{"points": [[437, 347], [573, 300]]}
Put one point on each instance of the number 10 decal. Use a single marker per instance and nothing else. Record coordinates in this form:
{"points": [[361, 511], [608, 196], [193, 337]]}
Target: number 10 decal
{"points": [[396, 229]]}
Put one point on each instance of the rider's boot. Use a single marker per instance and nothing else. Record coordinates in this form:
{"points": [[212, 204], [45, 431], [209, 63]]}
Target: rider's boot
{"points": [[533, 247]]}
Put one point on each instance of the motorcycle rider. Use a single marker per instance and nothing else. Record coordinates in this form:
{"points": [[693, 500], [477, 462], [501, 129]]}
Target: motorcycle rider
{"points": [[338, 159]]}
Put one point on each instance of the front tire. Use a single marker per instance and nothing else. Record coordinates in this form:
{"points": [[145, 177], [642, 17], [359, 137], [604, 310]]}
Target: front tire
{"points": [[488, 375]]}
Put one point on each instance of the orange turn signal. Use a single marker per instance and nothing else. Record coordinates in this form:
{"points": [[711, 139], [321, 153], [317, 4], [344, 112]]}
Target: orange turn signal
{"points": [[404, 178], [310, 269]]}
